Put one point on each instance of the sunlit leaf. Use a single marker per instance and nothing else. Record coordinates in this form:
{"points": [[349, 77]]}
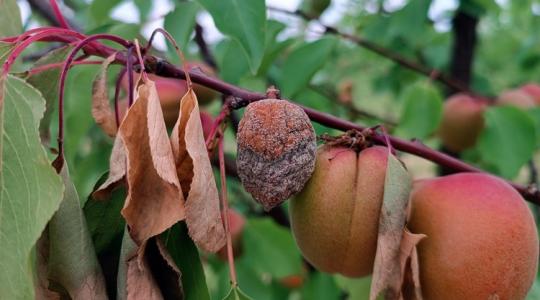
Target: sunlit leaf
{"points": [[10, 18], [31, 189]]}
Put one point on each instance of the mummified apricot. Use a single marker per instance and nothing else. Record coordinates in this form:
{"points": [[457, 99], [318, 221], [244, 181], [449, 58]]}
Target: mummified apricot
{"points": [[335, 219], [276, 150], [481, 238]]}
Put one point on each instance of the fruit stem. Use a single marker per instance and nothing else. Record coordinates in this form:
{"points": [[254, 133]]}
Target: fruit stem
{"points": [[225, 210], [61, 20], [117, 95]]}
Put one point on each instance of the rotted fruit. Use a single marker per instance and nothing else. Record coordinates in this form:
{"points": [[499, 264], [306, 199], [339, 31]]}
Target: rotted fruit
{"points": [[462, 121], [237, 222], [481, 240], [276, 150], [335, 219]]}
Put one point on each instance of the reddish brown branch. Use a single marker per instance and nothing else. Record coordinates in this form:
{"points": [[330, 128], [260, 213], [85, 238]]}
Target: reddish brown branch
{"points": [[244, 97], [453, 84]]}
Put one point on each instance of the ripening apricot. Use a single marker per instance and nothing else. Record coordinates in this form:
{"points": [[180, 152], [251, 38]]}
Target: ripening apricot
{"points": [[481, 238], [335, 218], [462, 121], [517, 98], [533, 90]]}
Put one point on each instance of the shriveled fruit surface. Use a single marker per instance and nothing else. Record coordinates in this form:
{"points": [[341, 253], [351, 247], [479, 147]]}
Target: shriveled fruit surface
{"points": [[335, 218], [481, 238], [276, 150], [462, 122]]}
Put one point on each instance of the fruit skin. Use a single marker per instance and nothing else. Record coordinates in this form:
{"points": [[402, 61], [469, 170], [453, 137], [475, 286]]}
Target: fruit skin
{"points": [[462, 121], [335, 219], [517, 98], [207, 122], [171, 90], [533, 90], [481, 238], [276, 150], [237, 222]]}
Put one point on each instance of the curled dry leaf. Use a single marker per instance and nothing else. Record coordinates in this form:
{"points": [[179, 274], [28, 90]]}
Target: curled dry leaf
{"points": [[387, 275], [101, 109], [117, 170], [154, 201], [410, 269], [196, 177]]}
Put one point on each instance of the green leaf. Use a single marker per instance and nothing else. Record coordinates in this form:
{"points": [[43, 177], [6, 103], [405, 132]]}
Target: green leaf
{"points": [[184, 253], [72, 261], [105, 222], [231, 66], [534, 113], [422, 111], [244, 21], [180, 22], [127, 250], [10, 18], [508, 139], [5, 50], [415, 15], [236, 294], [356, 288], [387, 277], [47, 83], [31, 189], [100, 9], [321, 286], [264, 238], [303, 63]]}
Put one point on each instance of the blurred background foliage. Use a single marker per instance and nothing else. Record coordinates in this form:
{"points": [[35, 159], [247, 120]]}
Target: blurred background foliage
{"points": [[327, 73]]}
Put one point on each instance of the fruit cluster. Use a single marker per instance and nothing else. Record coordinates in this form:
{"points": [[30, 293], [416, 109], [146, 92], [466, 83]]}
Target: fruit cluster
{"points": [[482, 241]]}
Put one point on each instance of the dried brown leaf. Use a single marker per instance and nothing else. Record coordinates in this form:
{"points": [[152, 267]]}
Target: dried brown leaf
{"points": [[387, 276], [154, 202], [196, 177], [140, 283], [117, 170], [101, 109], [410, 269]]}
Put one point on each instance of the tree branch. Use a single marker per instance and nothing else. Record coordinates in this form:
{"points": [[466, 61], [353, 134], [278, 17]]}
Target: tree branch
{"points": [[434, 74]]}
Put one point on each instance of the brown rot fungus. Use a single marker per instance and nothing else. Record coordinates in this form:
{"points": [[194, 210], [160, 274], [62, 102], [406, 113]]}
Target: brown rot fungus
{"points": [[276, 150]]}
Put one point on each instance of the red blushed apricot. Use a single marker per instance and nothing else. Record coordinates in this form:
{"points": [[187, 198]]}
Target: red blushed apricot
{"points": [[462, 121], [533, 90], [517, 98], [335, 218], [236, 225], [481, 238]]}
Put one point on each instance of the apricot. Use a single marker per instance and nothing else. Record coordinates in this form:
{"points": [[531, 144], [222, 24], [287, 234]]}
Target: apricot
{"points": [[517, 98], [207, 122], [335, 218], [462, 121], [533, 90], [237, 222], [481, 238]]}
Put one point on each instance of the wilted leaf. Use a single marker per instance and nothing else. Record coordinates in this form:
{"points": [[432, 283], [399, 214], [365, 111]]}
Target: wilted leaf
{"points": [[236, 294], [154, 202], [410, 268], [196, 177], [31, 190], [72, 261], [387, 277], [101, 109], [117, 170], [186, 257], [47, 83]]}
